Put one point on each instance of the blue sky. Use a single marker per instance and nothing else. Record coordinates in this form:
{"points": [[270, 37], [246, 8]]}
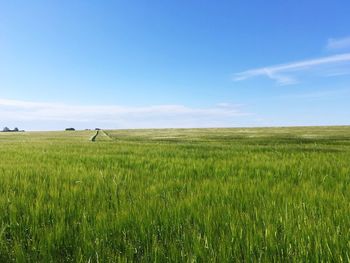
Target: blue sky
{"points": [[141, 64]]}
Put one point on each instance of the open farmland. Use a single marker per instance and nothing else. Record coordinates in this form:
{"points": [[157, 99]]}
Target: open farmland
{"points": [[176, 195]]}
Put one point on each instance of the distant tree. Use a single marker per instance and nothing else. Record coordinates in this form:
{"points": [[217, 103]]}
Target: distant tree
{"points": [[70, 129], [6, 129], [15, 129]]}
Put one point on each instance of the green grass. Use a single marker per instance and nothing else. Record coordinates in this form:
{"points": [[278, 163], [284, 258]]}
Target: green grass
{"points": [[176, 195]]}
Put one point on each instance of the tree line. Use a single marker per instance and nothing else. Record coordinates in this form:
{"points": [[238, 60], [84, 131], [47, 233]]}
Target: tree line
{"points": [[7, 129]]}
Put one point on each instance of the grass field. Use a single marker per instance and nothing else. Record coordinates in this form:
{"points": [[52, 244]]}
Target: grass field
{"points": [[177, 195]]}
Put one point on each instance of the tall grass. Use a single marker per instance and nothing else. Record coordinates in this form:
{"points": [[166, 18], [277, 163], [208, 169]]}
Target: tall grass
{"points": [[200, 195]]}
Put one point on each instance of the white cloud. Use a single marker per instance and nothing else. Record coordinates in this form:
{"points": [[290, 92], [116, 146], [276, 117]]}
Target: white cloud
{"points": [[114, 116], [282, 73], [338, 43]]}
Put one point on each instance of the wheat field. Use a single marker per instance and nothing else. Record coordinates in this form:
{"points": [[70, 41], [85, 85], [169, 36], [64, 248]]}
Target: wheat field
{"points": [[176, 195]]}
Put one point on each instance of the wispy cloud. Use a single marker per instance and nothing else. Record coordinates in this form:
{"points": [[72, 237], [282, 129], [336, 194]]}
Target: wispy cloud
{"points": [[338, 43], [282, 74], [114, 116]]}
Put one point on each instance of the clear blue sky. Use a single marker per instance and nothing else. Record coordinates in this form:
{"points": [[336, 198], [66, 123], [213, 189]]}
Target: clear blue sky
{"points": [[127, 64]]}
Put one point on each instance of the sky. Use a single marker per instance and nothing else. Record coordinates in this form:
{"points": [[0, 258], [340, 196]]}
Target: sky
{"points": [[162, 64]]}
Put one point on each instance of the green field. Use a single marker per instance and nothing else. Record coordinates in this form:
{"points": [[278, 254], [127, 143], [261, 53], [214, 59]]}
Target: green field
{"points": [[176, 195]]}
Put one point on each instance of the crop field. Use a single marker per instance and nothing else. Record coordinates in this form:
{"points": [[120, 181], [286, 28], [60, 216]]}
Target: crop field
{"points": [[176, 195]]}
